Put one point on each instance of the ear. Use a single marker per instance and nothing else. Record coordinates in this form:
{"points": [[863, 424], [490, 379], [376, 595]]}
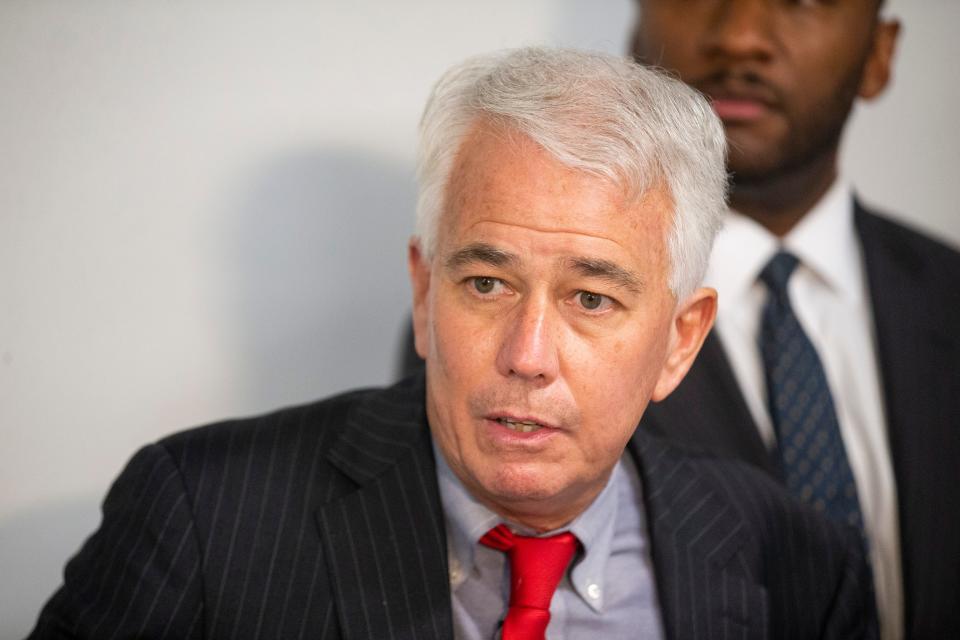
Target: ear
{"points": [[419, 269], [691, 324], [879, 65]]}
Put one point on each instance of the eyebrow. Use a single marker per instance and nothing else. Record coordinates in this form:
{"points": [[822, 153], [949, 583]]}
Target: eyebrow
{"points": [[608, 271], [480, 252]]}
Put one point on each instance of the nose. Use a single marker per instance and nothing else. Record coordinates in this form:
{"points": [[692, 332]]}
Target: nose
{"points": [[742, 29], [529, 348]]}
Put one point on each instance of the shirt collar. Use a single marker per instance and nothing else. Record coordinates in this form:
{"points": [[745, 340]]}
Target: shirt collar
{"points": [[824, 240], [468, 520], [826, 243]]}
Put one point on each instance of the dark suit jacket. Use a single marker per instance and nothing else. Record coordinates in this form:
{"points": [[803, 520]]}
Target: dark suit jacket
{"points": [[324, 521], [914, 286]]}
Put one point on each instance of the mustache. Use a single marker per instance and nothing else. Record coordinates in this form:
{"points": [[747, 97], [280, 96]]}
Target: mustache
{"points": [[738, 83], [527, 403]]}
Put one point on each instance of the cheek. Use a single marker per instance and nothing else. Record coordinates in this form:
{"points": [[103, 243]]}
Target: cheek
{"points": [[616, 383], [453, 334], [463, 344], [667, 41]]}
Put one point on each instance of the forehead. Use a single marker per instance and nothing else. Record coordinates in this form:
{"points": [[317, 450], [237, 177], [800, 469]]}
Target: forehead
{"points": [[505, 184]]}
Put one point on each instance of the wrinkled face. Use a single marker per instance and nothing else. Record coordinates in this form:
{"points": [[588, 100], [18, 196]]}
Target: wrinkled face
{"points": [[782, 75], [545, 319]]}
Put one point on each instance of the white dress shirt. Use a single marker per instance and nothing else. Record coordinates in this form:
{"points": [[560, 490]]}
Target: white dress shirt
{"points": [[828, 292]]}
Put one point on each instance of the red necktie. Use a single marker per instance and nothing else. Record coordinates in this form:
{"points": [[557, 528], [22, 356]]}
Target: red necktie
{"points": [[536, 567]]}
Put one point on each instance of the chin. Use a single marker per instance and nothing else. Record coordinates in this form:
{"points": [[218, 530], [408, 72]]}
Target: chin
{"points": [[519, 483], [750, 168]]}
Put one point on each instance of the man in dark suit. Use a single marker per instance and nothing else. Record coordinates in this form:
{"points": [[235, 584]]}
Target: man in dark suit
{"points": [[878, 303], [567, 207]]}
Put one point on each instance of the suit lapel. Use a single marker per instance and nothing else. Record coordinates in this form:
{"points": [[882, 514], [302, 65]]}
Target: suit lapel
{"points": [[914, 352], [696, 540], [385, 543], [707, 411], [904, 346]]}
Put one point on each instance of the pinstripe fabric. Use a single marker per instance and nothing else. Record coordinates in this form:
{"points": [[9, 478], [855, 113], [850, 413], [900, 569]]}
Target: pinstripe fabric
{"points": [[146, 504], [324, 521], [263, 528], [385, 542], [736, 557], [915, 292]]}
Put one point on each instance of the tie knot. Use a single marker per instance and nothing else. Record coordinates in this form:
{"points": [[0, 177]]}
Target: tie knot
{"points": [[536, 567], [557, 549], [778, 271]]}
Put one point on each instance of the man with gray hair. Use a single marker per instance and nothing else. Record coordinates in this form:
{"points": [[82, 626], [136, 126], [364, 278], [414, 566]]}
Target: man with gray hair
{"points": [[568, 202]]}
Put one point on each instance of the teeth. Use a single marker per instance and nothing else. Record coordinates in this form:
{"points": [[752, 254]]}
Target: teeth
{"points": [[522, 427]]}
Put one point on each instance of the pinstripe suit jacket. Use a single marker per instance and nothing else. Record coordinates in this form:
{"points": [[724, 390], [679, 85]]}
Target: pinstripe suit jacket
{"points": [[324, 521]]}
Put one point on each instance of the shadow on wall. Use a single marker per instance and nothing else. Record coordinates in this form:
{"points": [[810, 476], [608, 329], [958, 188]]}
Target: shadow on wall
{"points": [[317, 274], [314, 279], [34, 545]]}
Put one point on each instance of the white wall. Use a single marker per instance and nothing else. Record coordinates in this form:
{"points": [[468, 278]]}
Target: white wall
{"points": [[903, 150], [203, 210]]}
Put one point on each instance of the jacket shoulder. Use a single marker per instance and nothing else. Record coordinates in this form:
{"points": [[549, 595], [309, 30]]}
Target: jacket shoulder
{"points": [[798, 554], [215, 526], [769, 514], [764, 505], [273, 468], [300, 425], [915, 249], [810, 574]]}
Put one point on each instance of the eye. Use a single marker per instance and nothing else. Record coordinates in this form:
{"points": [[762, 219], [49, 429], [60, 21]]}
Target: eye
{"points": [[593, 301], [485, 285]]}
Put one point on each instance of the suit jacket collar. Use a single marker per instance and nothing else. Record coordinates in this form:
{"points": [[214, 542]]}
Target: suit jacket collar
{"points": [[386, 547]]}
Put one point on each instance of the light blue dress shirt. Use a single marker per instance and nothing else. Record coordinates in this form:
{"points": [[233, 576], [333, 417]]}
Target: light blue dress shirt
{"points": [[608, 593]]}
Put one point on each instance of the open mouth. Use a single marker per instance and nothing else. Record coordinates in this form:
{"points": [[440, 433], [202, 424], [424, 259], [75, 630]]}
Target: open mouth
{"points": [[520, 426]]}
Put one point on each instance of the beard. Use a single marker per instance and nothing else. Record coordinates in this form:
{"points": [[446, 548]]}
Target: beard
{"points": [[812, 135]]}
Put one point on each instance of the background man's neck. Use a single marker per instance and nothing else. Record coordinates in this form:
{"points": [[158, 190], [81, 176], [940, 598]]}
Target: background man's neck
{"points": [[781, 202]]}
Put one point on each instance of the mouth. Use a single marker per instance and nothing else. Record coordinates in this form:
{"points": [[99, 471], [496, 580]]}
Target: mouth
{"points": [[731, 109], [739, 99], [520, 426]]}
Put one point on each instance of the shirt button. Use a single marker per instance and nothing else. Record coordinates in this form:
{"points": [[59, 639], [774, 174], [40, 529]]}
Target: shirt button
{"points": [[593, 590], [456, 574]]}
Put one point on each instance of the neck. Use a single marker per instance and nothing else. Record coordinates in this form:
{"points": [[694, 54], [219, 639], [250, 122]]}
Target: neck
{"points": [[780, 202], [538, 522]]}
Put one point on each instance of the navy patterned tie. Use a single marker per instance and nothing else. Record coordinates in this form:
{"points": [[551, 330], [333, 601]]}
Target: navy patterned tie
{"points": [[808, 434]]}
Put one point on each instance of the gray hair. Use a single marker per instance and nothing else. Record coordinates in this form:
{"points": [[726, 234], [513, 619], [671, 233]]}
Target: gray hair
{"points": [[594, 112]]}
